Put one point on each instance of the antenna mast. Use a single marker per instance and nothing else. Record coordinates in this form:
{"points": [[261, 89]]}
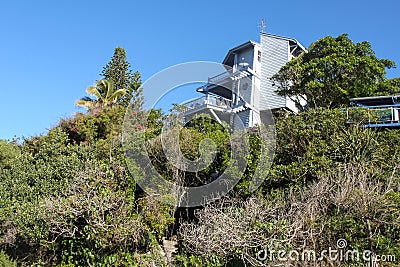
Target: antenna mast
{"points": [[262, 25]]}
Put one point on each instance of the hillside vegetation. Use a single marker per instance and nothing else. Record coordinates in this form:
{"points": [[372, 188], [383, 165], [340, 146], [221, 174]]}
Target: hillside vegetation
{"points": [[68, 199]]}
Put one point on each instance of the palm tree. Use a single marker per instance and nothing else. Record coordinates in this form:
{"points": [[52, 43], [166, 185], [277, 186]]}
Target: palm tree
{"points": [[104, 93]]}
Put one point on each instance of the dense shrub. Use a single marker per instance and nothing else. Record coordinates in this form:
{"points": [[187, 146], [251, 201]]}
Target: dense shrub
{"points": [[329, 180], [67, 198]]}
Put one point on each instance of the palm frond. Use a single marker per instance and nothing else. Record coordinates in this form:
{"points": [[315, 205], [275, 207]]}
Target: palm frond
{"points": [[105, 94], [108, 88], [88, 104], [94, 91], [117, 94]]}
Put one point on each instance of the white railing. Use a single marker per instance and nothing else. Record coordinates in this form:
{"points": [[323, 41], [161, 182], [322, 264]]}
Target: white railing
{"points": [[220, 77], [238, 74], [378, 115], [208, 100]]}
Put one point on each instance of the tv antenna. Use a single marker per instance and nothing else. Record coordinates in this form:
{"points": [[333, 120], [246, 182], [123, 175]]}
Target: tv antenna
{"points": [[262, 25]]}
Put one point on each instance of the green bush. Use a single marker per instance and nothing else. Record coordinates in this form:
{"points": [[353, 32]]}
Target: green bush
{"points": [[67, 198], [5, 260]]}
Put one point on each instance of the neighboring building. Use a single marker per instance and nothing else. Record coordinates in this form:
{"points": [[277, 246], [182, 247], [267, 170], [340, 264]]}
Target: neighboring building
{"points": [[245, 88], [383, 111]]}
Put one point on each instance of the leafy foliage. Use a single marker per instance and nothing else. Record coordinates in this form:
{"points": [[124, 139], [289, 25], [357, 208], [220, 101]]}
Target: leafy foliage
{"points": [[332, 71], [329, 181], [190, 139], [8, 152], [5, 260], [67, 198], [105, 93], [389, 87]]}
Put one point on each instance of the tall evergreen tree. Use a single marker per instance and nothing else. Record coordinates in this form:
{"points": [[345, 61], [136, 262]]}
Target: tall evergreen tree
{"points": [[118, 71]]}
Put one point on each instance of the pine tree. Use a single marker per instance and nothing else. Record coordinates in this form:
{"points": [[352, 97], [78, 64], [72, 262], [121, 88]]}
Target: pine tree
{"points": [[118, 71]]}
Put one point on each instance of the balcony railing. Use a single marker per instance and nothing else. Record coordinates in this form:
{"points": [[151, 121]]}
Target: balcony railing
{"points": [[374, 116], [219, 78], [242, 72], [208, 100]]}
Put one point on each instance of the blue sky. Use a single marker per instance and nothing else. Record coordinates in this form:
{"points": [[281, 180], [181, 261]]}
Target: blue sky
{"points": [[50, 51]]}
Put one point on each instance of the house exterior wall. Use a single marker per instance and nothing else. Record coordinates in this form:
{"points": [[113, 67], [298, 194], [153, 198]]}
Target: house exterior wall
{"points": [[244, 86], [257, 56], [249, 87], [275, 54], [256, 81], [245, 55], [264, 60]]}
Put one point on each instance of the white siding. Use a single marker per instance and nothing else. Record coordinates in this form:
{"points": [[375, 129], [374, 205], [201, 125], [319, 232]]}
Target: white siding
{"points": [[275, 54]]}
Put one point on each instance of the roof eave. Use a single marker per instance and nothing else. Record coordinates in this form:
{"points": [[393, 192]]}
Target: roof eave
{"points": [[285, 38], [238, 48], [374, 97]]}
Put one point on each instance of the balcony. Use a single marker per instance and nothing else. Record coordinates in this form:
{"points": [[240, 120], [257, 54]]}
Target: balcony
{"points": [[378, 111], [377, 116], [207, 102], [220, 78], [221, 84]]}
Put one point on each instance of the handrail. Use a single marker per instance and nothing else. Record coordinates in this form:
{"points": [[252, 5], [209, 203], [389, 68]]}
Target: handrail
{"points": [[382, 114], [229, 74], [208, 100], [219, 77]]}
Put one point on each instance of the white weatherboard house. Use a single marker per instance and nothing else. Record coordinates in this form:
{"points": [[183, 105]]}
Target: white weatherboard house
{"points": [[245, 89]]}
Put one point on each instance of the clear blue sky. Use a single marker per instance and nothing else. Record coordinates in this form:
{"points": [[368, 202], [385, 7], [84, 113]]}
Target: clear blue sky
{"points": [[50, 51]]}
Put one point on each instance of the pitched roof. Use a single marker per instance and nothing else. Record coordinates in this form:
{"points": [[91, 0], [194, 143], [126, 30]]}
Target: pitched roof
{"points": [[375, 101], [229, 58], [285, 38]]}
